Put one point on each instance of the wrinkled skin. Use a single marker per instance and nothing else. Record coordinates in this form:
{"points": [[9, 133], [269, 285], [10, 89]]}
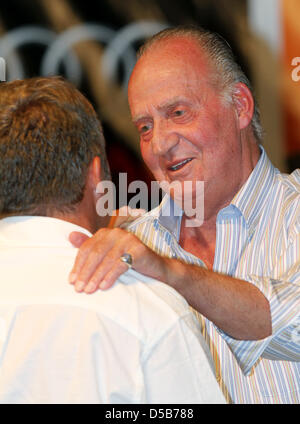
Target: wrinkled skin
{"points": [[188, 132]]}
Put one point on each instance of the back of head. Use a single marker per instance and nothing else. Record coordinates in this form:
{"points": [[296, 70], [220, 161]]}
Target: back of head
{"points": [[227, 71], [49, 134]]}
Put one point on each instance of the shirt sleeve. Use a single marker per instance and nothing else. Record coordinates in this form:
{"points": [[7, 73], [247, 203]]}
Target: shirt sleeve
{"points": [[179, 368], [283, 294]]}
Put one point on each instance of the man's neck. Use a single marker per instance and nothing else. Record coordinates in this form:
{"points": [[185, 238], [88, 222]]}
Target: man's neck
{"points": [[81, 221], [200, 241]]}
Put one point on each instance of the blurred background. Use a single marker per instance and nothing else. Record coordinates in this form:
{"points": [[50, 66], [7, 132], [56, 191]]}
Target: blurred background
{"points": [[93, 43]]}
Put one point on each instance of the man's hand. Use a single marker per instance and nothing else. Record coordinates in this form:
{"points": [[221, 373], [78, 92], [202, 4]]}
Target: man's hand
{"points": [[98, 263], [228, 302]]}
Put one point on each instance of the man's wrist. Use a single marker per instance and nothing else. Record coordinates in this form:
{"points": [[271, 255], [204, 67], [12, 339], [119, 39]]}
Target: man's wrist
{"points": [[175, 273]]}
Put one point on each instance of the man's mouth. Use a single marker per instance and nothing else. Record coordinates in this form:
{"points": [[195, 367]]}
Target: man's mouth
{"points": [[179, 165]]}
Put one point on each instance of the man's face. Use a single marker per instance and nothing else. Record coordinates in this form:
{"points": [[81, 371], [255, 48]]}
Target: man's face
{"points": [[187, 130]]}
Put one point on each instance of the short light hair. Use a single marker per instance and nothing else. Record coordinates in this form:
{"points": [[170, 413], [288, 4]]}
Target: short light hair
{"points": [[228, 71], [49, 134]]}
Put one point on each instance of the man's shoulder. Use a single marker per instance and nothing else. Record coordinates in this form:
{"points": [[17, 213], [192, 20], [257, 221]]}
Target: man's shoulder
{"points": [[283, 205], [290, 183], [135, 302], [154, 293], [139, 302], [138, 305], [288, 193]]}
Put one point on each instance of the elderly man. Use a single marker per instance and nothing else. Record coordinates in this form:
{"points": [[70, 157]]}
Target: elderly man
{"points": [[198, 121], [139, 343]]}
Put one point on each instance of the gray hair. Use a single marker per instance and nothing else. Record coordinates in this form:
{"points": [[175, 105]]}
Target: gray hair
{"points": [[219, 51]]}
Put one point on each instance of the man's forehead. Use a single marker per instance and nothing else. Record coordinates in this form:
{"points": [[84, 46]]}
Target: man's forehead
{"points": [[169, 57], [176, 46], [174, 68]]}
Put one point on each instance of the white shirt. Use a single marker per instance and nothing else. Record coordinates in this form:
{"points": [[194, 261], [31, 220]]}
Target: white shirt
{"points": [[134, 343]]}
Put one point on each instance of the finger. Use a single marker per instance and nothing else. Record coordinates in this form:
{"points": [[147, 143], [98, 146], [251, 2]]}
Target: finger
{"points": [[77, 238], [110, 260], [81, 257], [88, 266], [109, 279], [112, 266], [105, 244]]}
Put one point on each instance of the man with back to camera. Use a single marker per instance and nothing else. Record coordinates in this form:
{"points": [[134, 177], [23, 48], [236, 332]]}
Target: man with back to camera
{"points": [[137, 343], [198, 121]]}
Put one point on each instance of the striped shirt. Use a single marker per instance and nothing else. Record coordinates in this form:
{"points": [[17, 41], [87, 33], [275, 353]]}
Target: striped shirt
{"points": [[258, 240]]}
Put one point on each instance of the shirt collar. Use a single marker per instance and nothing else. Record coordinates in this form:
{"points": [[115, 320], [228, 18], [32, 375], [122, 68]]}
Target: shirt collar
{"points": [[19, 231], [251, 198], [170, 215]]}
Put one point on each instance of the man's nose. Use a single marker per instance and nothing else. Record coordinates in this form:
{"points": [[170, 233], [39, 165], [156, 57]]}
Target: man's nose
{"points": [[164, 139]]}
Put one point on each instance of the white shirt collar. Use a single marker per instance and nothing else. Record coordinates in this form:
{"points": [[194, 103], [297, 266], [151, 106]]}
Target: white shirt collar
{"points": [[37, 231]]}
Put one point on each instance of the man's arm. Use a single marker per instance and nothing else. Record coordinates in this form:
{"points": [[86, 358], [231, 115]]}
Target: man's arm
{"points": [[237, 307]]}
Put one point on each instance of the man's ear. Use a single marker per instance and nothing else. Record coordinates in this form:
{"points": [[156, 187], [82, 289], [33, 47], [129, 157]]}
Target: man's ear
{"points": [[94, 176], [95, 171], [244, 104]]}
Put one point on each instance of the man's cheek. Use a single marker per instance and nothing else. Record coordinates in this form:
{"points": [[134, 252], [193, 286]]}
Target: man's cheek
{"points": [[150, 160]]}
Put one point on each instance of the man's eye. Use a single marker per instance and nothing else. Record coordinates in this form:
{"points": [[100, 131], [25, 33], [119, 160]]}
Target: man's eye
{"points": [[144, 128], [178, 112]]}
